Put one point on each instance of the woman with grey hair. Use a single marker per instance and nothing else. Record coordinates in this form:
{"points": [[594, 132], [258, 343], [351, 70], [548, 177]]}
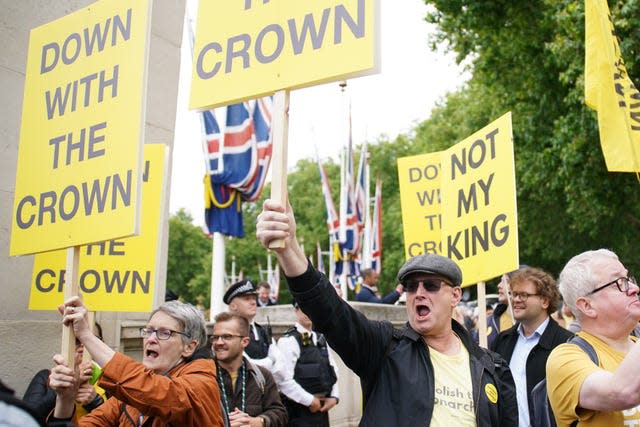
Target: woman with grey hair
{"points": [[174, 385]]}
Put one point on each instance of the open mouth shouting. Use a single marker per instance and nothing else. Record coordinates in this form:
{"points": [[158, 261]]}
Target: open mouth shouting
{"points": [[422, 311], [151, 354]]}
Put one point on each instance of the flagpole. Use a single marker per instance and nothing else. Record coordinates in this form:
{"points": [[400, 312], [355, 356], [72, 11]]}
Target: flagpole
{"points": [[366, 236], [217, 275]]}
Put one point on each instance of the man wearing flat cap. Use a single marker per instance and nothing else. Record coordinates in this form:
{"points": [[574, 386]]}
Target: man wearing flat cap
{"points": [[429, 371], [262, 349]]}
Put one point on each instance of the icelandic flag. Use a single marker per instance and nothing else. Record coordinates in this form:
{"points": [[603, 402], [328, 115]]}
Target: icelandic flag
{"points": [[211, 143], [333, 223], [264, 144], [376, 230], [239, 154]]}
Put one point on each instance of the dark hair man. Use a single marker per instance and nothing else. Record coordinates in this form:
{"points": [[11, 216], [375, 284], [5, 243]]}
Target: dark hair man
{"points": [[369, 290]]}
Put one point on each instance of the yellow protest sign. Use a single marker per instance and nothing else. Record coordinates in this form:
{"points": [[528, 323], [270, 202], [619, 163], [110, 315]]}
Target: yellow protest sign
{"points": [[82, 128], [479, 214], [419, 178], [248, 49], [115, 275]]}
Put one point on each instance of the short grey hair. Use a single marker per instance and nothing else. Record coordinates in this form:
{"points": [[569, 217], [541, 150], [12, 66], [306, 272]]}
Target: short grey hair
{"points": [[190, 320], [577, 278]]}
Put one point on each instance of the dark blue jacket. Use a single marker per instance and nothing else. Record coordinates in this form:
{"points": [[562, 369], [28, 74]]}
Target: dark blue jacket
{"points": [[394, 365], [367, 295]]}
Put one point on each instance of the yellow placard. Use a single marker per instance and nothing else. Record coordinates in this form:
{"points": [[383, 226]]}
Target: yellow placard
{"points": [[419, 178], [115, 275], [479, 214], [251, 48], [82, 128]]}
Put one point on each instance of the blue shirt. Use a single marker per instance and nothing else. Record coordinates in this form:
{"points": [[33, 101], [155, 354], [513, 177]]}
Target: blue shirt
{"points": [[518, 366]]}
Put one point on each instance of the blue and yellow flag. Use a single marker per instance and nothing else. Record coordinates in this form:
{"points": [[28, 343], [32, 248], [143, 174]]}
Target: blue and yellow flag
{"points": [[609, 90]]}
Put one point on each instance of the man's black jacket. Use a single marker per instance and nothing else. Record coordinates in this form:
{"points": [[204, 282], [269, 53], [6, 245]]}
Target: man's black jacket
{"points": [[394, 365]]}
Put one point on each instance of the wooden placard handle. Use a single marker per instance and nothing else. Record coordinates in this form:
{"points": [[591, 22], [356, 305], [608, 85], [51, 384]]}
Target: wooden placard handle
{"points": [[280, 129]]}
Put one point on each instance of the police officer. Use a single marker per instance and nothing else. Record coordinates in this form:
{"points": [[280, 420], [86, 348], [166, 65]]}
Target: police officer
{"points": [[310, 386], [262, 349]]}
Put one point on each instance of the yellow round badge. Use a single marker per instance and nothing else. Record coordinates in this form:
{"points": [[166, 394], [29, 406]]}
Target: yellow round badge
{"points": [[491, 392]]}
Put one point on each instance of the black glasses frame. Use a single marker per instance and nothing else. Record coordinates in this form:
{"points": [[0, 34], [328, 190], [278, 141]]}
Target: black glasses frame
{"points": [[430, 284], [162, 334], [522, 295], [623, 288]]}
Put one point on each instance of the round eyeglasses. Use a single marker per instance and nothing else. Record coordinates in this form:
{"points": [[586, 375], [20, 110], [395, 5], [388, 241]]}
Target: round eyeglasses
{"points": [[622, 283], [161, 334]]}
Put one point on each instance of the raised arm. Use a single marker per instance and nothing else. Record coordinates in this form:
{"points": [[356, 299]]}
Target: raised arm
{"points": [[274, 222], [610, 391]]}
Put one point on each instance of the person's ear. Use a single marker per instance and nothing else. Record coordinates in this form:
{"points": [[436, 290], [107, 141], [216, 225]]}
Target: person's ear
{"points": [[456, 295], [189, 348], [244, 342], [585, 306]]}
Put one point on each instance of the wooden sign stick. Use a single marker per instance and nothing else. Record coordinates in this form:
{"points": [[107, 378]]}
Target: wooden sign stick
{"points": [[279, 160], [71, 288], [482, 315]]}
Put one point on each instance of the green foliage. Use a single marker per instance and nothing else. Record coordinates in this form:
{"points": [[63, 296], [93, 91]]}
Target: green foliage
{"points": [[189, 250], [528, 57]]}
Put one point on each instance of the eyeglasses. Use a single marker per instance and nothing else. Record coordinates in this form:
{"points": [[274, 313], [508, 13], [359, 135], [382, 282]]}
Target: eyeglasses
{"points": [[429, 285], [621, 282], [522, 295], [161, 334], [225, 337]]}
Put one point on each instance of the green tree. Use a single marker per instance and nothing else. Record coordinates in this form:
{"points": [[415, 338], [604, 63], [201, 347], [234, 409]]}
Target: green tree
{"points": [[189, 249], [528, 57]]}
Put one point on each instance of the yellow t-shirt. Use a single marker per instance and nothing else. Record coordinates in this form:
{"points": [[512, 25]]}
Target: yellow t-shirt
{"points": [[505, 321], [453, 403], [567, 368], [80, 411]]}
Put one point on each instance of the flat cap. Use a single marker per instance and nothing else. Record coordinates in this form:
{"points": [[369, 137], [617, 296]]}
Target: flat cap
{"points": [[432, 264], [243, 287]]}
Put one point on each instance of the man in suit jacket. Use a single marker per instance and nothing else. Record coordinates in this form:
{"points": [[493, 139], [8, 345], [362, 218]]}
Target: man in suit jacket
{"points": [[527, 344]]}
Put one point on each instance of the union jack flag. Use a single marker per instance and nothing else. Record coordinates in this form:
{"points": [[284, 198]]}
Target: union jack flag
{"points": [[238, 151], [348, 236], [333, 222], [211, 143], [376, 230], [264, 145], [361, 189]]}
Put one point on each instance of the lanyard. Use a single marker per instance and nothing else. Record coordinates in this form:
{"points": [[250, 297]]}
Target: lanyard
{"points": [[225, 398]]}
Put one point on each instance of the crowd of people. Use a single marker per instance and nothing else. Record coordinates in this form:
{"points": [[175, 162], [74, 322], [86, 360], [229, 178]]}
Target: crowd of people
{"points": [[429, 372]]}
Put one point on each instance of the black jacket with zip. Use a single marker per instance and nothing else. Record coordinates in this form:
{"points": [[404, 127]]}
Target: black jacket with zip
{"points": [[394, 365]]}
